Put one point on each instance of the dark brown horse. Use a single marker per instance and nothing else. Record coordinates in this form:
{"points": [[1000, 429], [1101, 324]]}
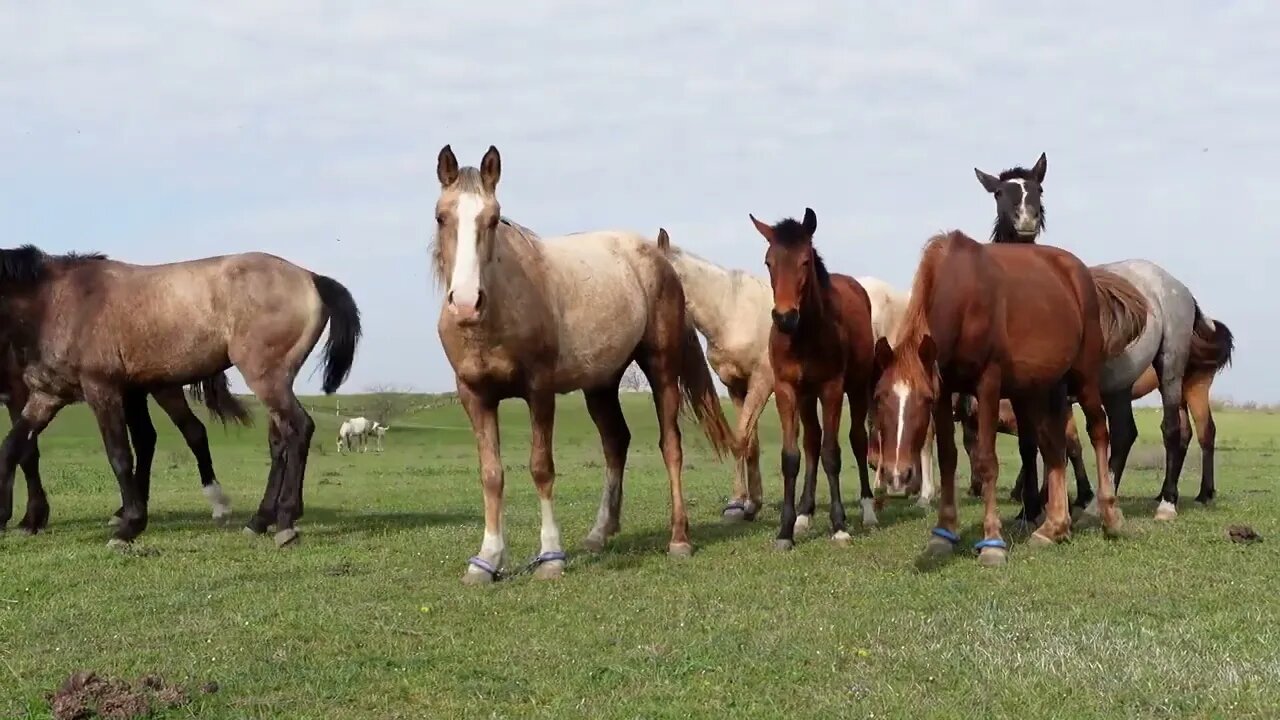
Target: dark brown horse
{"points": [[1015, 321], [216, 395], [99, 330], [532, 318], [820, 347]]}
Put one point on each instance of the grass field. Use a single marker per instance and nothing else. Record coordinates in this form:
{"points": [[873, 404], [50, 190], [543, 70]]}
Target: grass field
{"points": [[367, 617]]}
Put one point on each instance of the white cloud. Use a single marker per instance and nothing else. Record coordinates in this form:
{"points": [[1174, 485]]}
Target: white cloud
{"points": [[157, 131]]}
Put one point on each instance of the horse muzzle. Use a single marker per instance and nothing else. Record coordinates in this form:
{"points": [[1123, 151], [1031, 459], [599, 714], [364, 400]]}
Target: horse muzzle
{"points": [[787, 321], [467, 312]]}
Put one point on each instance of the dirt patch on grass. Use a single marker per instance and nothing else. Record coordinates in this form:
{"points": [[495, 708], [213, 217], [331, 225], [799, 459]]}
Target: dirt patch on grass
{"points": [[86, 695]]}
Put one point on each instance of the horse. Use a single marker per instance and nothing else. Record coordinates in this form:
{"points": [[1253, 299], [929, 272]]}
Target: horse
{"points": [[352, 430], [1014, 321], [820, 346], [1186, 347], [221, 403], [531, 318], [102, 331], [379, 432]]}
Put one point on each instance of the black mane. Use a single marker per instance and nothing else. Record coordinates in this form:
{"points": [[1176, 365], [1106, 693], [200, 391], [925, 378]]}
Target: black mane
{"points": [[1017, 173], [790, 233], [27, 264]]}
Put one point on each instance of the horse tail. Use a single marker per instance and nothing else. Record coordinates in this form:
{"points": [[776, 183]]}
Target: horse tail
{"points": [[215, 393], [344, 331], [1212, 344], [700, 394], [1122, 311]]}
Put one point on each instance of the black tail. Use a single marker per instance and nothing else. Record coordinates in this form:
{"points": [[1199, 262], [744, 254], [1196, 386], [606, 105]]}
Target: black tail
{"points": [[344, 331], [216, 395], [1212, 344]]}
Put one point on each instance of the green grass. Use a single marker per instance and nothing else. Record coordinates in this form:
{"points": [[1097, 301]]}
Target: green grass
{"points": [[367, 617]]}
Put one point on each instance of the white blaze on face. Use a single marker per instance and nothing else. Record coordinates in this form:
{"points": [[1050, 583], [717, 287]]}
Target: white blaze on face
{"points": [[903, 391], [464, 285], [1024, 218]]}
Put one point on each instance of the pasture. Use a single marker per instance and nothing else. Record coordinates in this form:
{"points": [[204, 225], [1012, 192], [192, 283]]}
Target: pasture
{"points": [[367, 617]]}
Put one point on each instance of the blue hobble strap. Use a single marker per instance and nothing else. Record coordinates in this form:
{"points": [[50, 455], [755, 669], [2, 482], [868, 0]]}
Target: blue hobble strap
{"points": [[484, 565], [946, 534], [990, 543], [550, 556], [735, 505]]}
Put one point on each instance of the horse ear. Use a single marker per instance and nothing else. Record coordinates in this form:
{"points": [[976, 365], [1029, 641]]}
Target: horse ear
{"points": [[884, 354], [810, 221], [928, 351], [447, 166], [490, 169], [990, 182], [664, 240], [1041, 166], [765, 230]]}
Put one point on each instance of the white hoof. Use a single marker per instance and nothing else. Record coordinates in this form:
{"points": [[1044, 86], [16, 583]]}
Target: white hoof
{"points": [[869, 518], [802, 525], [113, 521], [1166, 511], [841, 538], [1092, 508], [118, 544]]}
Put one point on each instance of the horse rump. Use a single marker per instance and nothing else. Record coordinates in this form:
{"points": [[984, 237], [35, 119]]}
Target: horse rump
{"points": [[215, 393]]}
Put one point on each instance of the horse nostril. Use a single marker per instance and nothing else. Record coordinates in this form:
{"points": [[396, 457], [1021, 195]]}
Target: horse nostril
{"points": [[479, 299], [449, 298]]}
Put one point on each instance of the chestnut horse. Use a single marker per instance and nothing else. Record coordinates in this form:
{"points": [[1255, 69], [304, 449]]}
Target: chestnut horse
{"points": [[99, 330], [531, 318], [820, 347], [1186, 348], [221, 403], [995, 321]]}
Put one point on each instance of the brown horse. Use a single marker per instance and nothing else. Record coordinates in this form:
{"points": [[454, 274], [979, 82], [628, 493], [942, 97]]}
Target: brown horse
{"points": [[1015, 321], [98, 330], [820, 347], [531, 318], [221, 403]]}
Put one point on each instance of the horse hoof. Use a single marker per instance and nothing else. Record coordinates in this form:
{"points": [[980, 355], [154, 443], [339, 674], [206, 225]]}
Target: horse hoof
{"points": [[247, 530], [594, 543], [476, 576], [923, 502], [993, 557], [802, 525], [869, 519], [553, 570], [118, 544], [938, 547], [1166, 511], [783, 545], [287, 537], [113, 521], [841, 538], [680, 550], [1037, 540], [1113, 529], [734, 514], [1204, 499]]}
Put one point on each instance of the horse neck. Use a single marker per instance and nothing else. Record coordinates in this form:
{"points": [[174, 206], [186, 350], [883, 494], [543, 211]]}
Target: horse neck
{"points": [[815, 306], [710, 294]]}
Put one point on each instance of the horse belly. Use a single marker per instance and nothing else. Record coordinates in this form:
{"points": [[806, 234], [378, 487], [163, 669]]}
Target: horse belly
{"points": [[597, 340]]}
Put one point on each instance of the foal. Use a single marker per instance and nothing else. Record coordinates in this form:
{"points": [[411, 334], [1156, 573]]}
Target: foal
{"points": [[821, 350], [993, 321]]}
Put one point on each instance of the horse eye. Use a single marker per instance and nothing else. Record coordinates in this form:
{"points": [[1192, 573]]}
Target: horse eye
{"points": [[440, 218]]}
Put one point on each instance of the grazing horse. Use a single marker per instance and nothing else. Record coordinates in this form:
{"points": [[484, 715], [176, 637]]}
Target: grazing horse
{"points": [[353, 430], [221, 403], [995, 321], [101, 331], [1186, 348], [532, 318], [820, 347]]}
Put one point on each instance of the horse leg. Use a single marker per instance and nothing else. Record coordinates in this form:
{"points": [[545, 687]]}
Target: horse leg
{"points": [[788, 414], [174, 404], [108, 406], [137, 419], [1124, 433], [1170, 370], [483, 414], [736, 508], [291, 429], [1075, 454], [1028, 416], [992, 549], [812, 448], [1197, 398], [758, 392], [615, 439], [37, 412], [542, 416], [858, 402], [927, 487], [36, 517], [969, 430], [829, 449], [264, 518], [662, 368], [1050, 424], [944, 536], [1095, 417]]}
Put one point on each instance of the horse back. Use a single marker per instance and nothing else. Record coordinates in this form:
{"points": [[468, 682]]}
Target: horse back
{"points": [[854, 307]]}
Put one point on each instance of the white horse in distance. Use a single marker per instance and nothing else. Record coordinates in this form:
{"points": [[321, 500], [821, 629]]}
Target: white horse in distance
{"points": [[353, 430]]}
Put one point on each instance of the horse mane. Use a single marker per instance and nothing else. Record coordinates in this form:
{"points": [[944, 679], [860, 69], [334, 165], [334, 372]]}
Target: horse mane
{"points": [[1002, 231], [790, 233], [1122, 311], [27, 264], [915, 319]]}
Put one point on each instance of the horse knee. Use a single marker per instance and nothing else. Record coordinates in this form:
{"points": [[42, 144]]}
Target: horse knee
{"points": [[790, 463], [831, 460]]}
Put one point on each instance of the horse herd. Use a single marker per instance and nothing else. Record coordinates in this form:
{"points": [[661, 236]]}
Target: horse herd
{"points": [[1002, 336]]}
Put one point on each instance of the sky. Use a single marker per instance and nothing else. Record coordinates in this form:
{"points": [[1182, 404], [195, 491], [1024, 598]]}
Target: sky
{"points": [[165, 131]]}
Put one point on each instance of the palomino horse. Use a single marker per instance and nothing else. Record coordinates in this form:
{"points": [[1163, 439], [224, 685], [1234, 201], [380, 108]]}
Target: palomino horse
{"points": [[530, 318], [101, 330], [221, 403], [820, 347], [995, 321], [1186, 348]]}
